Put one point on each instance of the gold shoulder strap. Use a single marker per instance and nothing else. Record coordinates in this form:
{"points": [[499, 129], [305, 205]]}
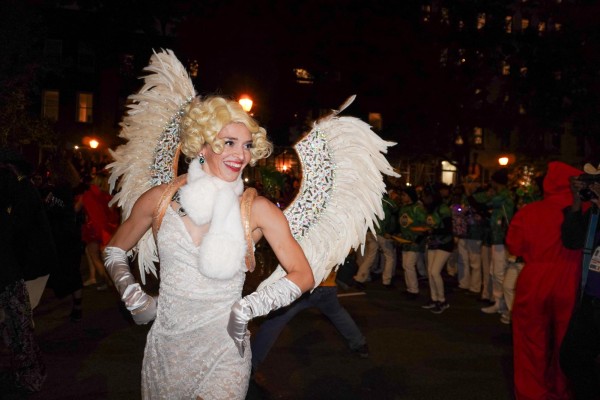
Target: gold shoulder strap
{"points": [[247, 199], [164, 202], [246, 210]]}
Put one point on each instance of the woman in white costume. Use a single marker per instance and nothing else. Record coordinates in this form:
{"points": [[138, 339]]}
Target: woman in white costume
{"points": [[198, 346], [202, 228]]}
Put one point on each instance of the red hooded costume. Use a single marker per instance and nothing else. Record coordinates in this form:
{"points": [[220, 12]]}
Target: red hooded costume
{"points": [[546, 289]]}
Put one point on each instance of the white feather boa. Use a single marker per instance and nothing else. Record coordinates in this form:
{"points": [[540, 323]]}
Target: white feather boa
{"points": [[208, 199]]}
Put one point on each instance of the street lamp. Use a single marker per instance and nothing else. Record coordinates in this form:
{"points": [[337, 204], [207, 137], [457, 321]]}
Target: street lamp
{"points": [[246, 102], [94, 143], [503, 161]]}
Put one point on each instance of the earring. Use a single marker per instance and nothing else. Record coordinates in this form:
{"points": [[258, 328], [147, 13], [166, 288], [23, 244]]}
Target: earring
{"points": [[201, 159]]}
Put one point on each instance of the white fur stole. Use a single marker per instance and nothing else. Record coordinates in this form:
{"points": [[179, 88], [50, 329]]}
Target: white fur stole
{"points": [[208, 199]]}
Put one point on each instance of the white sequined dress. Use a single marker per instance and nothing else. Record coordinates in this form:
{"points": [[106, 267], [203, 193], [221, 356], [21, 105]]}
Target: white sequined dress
{"points": [[189, 353]]}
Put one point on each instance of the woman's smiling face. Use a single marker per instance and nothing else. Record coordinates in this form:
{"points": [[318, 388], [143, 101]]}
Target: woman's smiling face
{"points": [[235, 156]]}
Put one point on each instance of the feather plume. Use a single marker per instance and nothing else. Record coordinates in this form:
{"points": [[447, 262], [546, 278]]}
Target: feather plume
{"points": [[339, 200], [151, 128]]}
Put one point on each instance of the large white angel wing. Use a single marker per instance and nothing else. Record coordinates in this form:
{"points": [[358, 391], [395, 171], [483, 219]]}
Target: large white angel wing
{"points": [[151, 128], [340, 194]]}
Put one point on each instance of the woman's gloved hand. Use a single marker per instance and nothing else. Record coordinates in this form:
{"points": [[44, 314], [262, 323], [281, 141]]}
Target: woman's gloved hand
{"points": [[141, 306], [278, 294]]}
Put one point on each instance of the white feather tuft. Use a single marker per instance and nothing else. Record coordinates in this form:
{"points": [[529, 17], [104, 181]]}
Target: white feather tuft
{"points": [[151, 112]]}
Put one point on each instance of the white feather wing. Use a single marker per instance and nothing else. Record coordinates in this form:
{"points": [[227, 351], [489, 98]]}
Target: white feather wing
{"points": [[340, 195], [151, 128]]}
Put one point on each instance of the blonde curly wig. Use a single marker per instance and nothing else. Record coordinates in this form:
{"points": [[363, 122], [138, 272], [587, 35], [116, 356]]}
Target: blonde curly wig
{"points": [[204, 119]]}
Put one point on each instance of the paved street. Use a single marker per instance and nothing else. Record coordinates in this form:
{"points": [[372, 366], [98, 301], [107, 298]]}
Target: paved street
{"points": [[414, 354]]}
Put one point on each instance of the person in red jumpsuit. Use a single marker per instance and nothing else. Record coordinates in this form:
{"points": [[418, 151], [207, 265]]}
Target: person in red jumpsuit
{"points": [[546, 289]]}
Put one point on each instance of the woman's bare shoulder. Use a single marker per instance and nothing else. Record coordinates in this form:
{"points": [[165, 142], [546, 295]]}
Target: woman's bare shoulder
{"points": [[262, 204], [152, 196], [266, 214]]}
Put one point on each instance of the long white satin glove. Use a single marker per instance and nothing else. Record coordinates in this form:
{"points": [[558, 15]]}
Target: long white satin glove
{"points": [[276, 295], [141, 306]]}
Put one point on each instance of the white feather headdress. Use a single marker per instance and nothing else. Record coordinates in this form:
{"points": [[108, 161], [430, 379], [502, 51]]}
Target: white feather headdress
{"points": [[151, 128]]}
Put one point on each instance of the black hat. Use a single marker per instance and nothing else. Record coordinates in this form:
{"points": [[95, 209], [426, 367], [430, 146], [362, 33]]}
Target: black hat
{"points": [[501, 176]]}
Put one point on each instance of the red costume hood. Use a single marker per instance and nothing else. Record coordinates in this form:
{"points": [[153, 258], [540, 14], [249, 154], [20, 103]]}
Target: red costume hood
{"points": [[556, 182]]}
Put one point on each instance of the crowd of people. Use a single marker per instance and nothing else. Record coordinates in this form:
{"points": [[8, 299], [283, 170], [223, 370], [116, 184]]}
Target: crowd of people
{"points": [[516, 250], [520, 257], [516, 256], [441, 233], [43, 215]]}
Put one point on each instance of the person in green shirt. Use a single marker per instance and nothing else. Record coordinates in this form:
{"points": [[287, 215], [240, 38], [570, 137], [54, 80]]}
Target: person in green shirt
{"points": [[500, 202], [411, 218], [382, 241], [440, 243]]}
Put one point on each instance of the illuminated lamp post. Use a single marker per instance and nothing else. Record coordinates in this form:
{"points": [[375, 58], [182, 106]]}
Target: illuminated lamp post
{"points": [[94, 144], [246, 103], [503, 161]]}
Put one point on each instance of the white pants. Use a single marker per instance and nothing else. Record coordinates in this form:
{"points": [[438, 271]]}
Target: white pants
{"points": [[469, 256], [388, 252], [452, 265], [498, 269], [365, 264], [409, 265], [510, 282], [436, 259], [486, 263]]}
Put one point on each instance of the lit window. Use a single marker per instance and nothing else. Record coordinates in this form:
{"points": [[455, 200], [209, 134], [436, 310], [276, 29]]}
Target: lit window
{"points": [[541, 28], [193, 68], [480, 20], [426, 9], [523, 71], [524, 23], [508, 24], [505, 68], [445, 16], [375, 121], [303, 76], [50, 104], [478, 136], [448, 173], [84, 107], [461, 56]]}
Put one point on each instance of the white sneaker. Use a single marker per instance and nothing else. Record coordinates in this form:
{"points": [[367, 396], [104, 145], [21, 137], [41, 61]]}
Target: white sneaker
{"points": [[493, 309]]}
